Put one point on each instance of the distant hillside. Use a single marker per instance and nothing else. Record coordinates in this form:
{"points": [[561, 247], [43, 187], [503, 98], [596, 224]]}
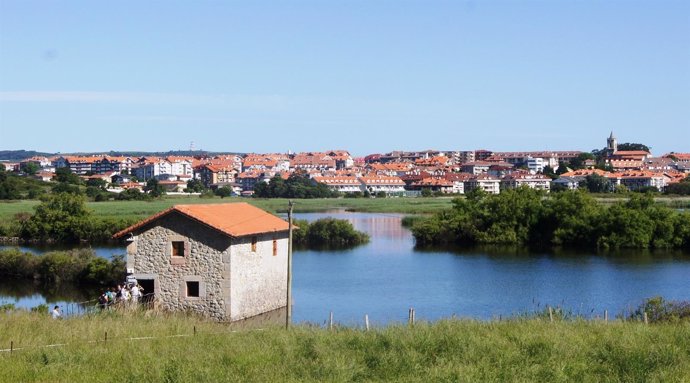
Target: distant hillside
{"points": [[18, 155], [190, 153]]}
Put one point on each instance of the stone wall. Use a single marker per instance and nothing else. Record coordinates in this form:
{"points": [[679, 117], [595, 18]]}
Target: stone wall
{"points": [[259, 279], [207, 260], [234, 281]]}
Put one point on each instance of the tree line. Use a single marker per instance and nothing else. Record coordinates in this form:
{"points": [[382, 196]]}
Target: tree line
{"points": [[298, 185], [525, 216]]}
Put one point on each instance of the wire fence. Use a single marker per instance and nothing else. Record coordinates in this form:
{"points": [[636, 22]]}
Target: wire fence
{"points": [[93, 306], [106, 339], [552, 315]]}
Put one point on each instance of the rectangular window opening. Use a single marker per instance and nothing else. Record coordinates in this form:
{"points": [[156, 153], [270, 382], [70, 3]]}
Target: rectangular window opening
{"points": [[192, 289], [178, 248], [254, 244]]}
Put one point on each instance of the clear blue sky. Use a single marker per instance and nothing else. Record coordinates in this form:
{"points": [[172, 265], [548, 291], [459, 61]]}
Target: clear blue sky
{"points": [[367, 76]]}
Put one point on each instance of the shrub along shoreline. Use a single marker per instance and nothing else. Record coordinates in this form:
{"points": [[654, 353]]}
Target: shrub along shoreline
{"points": [[81, 267], [567, 219]]}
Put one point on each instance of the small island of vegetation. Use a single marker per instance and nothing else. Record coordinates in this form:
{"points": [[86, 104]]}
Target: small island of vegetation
{"points": [[78, 266], [328, 232], [568, 219]]}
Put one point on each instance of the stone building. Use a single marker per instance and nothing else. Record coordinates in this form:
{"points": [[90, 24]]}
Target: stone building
{"points": [[225, 261]]}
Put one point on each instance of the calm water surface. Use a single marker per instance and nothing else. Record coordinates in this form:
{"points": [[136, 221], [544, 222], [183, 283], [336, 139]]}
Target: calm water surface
{"points": [[388, 276]]}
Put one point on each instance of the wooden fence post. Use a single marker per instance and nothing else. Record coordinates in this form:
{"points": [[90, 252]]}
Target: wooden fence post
{"points": [[550, 314], [105, 339], [11, 346], [606, 316], [330, 321], [194, 330], [646, 318], [366, 321]]}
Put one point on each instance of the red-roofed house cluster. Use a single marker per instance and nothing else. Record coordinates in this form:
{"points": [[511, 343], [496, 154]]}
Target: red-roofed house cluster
{"points": [[393, 173]]}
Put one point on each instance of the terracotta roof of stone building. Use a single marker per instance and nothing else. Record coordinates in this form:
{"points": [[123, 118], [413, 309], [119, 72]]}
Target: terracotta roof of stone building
{"points": [[233, 219]]}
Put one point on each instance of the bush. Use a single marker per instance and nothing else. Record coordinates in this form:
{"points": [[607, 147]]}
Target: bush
{"points": [[410, 220], [101, 271], [223, 192], [328, 232], [59, 266], [81, 266], [133, 194], [207, 193], [570, 218], [16, 263], [659, 310], [679, 188], [64, 218]]}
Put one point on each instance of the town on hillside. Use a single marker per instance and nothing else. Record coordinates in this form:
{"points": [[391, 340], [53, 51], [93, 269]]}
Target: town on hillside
{"points": [[398, 173]]}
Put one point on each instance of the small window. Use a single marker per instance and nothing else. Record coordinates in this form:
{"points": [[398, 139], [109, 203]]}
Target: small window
{"points": [[254, 244], [178, 249], [275, 247], [192, 289]]}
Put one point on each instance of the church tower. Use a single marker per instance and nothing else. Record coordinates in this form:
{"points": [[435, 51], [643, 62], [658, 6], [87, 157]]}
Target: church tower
{"points": [[611, 144]]}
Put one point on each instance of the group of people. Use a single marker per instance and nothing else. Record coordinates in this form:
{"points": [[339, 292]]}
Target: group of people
{"points": [[129, 292]]}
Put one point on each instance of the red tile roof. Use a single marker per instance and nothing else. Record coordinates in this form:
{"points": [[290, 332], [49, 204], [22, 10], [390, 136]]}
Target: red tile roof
{"points": [[585, 172], [233, 219]]}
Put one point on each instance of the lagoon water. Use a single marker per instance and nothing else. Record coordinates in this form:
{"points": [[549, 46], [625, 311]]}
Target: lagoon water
{"points": [[388, 276]]}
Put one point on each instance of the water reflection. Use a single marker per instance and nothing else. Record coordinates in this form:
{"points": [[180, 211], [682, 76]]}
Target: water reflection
{"points": [[389, 275], [29, 294]]}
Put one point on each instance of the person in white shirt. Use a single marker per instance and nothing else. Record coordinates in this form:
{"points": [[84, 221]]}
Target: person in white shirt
{"points": [[126, 294], [56, 314], [136, 294]]}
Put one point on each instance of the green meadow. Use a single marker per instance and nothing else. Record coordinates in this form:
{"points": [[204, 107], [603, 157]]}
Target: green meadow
{"points": [[142, 209], [453, 350]]}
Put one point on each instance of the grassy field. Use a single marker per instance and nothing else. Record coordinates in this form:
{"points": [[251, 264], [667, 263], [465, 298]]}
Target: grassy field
{"points": [[452, 350], [141, 209]]}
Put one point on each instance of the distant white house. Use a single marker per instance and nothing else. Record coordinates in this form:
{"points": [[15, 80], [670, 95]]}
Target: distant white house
{"points": [[377, 184], [489, 184], [342, 184]]}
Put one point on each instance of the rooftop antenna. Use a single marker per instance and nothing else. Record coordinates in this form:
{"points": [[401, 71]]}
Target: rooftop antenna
{"points": [[191, 146]]}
